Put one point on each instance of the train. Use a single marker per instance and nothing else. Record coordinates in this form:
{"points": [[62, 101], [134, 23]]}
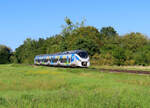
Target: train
{"points": [[75, 58]]}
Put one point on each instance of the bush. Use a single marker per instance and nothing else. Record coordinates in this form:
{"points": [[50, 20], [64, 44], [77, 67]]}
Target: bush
{"points": [[103, 59], [5, 53]]}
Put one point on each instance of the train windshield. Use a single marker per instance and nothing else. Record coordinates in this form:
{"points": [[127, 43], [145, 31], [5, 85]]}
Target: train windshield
{"points": [[83, 54]]}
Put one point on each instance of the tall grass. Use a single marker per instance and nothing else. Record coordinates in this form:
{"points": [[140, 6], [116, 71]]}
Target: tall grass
{"points": [[24, 86]]}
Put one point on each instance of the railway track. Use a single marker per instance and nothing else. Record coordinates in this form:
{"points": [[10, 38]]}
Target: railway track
{"points": [[115, 70], [122, 71]]}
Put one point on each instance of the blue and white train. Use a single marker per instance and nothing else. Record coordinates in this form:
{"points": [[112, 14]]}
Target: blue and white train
{"points": [[76, 58]]}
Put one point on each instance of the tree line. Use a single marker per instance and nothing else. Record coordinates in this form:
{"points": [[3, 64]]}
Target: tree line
{"points": [[105, 46]]}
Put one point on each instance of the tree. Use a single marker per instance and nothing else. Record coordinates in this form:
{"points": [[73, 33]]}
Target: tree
{"points": [[53, 44], [25, 53], [70, 26], [5, 53], [107, 32], [109, 39], [119, 55], [87, 45], [142, 56], [133, 41], [86, 38]]}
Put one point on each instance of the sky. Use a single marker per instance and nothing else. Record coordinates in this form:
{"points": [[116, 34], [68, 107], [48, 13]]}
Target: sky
{"points": [[21, 19]]}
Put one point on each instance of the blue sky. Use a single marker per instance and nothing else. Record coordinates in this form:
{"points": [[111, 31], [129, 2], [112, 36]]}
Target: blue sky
{"points": [[21, 19]]}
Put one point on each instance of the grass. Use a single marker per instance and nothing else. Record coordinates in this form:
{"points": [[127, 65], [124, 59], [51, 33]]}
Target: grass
{"points": [[24, 86]]}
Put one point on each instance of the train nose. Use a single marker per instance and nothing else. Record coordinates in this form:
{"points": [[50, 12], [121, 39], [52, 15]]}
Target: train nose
{"points": [[84, 63]]}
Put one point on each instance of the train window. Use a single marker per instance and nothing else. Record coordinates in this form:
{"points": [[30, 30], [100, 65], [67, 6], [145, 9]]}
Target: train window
{"points": [[83, 54], [40, 60], [69, 60], [49, 60], [63, 60], [45, 60], [54, 60], [60, 60]]}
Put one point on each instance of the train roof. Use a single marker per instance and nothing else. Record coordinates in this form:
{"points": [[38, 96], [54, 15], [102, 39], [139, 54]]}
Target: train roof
{"points": [[63, 53]]}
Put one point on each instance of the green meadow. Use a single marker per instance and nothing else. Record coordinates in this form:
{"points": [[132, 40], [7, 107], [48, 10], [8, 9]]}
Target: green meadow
{"points": [[25, 86]]}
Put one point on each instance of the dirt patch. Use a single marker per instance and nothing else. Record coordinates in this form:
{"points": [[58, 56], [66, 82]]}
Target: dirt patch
{"points": [[126, 71]]}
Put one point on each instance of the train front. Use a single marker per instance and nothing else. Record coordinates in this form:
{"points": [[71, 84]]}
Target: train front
{"points": [[82, 59]]}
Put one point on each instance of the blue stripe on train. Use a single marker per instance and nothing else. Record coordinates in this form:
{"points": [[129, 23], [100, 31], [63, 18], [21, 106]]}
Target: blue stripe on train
{"points": [[77, 58], [72, 58]]}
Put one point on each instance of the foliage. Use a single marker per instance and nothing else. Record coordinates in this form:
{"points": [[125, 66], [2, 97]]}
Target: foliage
{"points": [[84, 38], [103, 59], [142, 56], [104, 46], [5, 53], [134, 41], [107, 33], [26, 52]]}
